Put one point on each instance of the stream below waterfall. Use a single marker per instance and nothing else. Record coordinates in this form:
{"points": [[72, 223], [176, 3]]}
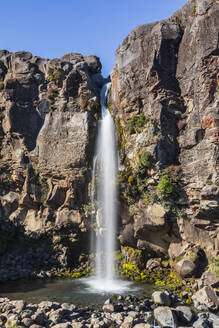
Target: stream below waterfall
{"points": [[75, 291]]}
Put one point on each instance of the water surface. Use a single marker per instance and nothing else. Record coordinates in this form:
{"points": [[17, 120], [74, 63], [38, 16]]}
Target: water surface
{"points": [[78, 291]]}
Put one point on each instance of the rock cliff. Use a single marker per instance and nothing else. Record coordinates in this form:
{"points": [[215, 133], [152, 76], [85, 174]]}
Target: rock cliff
{"points": [[48, 116], [165, 92]]}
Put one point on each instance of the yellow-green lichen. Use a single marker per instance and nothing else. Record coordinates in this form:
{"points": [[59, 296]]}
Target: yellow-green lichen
{"points": [[75, 273]]}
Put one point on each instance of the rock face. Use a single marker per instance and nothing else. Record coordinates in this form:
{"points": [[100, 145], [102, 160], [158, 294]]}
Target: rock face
{"points": [[48, 118], [165, 91]]}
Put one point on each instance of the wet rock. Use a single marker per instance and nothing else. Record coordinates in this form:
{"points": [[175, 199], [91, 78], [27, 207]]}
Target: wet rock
{"points": [[161, 298], [165, 316]]}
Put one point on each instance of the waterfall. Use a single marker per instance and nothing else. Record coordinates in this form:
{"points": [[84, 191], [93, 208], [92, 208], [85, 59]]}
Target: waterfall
{"points": [[104, 194]]}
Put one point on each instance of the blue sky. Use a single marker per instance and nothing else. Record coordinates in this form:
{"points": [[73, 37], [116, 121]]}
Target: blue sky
{"points": [[52, 28]]}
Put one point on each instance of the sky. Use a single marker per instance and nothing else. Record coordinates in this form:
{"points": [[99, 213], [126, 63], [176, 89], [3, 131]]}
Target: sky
{"points": [[52, 28]]}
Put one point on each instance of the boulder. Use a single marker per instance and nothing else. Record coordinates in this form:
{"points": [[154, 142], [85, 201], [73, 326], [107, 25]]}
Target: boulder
{"points": [[206, 298], [151, 227], [161, 298], [108, 308], [185, 314], [165, 317], [208, 278], [185, 267]]}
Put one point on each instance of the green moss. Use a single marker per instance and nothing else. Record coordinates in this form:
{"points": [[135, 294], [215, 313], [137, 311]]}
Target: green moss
{"points": [[214, 265], [89, 208], [131, 271], [144, 161], [120, 138], [192, 255], [11, 325], [110, 107], [54, 75], [165, 264], [133, 255], [179, 258], [75, 274], [118, 256], [209, 182], [136, 123], [177, 212], [166, 187]]}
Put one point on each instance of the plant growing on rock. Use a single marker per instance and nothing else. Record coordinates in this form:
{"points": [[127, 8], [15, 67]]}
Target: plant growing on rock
{"points": [[54, 75], [136, 123], [166, 187], [214, 265], [144, 161]]}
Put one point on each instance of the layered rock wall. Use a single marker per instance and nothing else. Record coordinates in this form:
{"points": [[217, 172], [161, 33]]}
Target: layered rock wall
{"points": [[165, 92], [49, 111]]}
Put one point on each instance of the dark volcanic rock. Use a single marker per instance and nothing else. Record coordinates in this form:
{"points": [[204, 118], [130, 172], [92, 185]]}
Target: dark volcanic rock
{"points": [[165, 100], [49, 111]]}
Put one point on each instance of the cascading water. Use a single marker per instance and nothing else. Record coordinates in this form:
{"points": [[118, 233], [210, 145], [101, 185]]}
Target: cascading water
{"points": [[104, 179], [106, 215], [103, 196]]}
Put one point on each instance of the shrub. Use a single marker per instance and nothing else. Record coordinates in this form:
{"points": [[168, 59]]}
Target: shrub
{"points": [[144, 160], [136, 123], [54, 75], [166, 187]]}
